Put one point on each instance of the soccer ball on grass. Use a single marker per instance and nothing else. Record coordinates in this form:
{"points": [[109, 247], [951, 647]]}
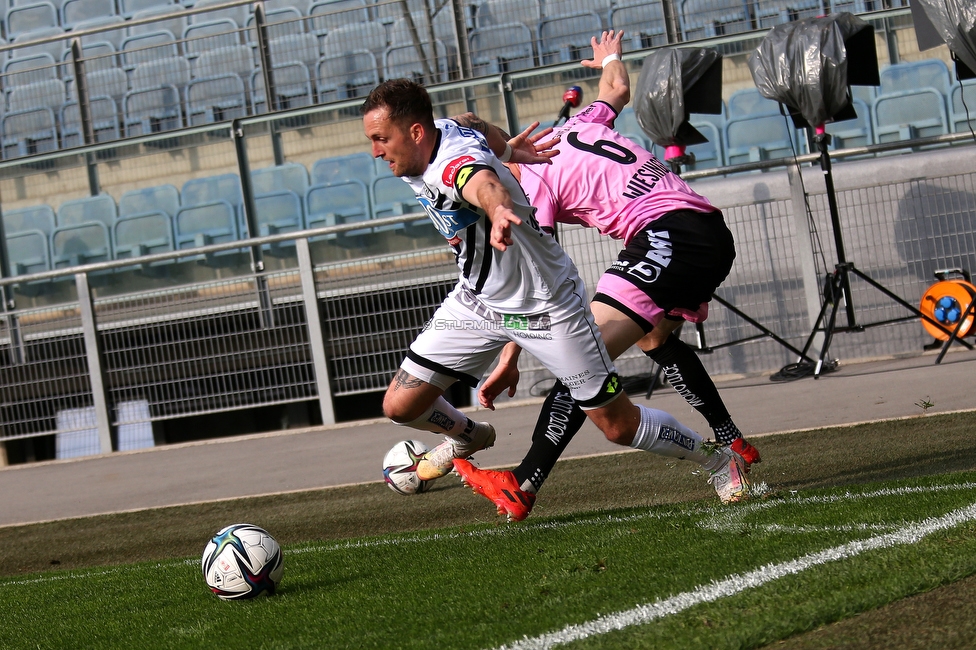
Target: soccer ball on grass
{"points": [[400, 467], [242, 561]]}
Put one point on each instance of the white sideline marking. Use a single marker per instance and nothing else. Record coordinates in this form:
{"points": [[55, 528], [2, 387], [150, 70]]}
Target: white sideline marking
{"points": [[738, 583]]}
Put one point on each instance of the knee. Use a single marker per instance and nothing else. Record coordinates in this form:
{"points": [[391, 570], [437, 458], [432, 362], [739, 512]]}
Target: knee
{"points": [[619, 433], [397, 410]]}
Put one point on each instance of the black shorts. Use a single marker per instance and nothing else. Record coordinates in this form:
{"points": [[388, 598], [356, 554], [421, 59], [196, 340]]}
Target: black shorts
{"points": [[677, 261]]}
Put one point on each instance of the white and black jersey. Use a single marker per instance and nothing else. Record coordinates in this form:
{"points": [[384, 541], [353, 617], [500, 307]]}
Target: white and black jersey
{"points": [[519, 280]]}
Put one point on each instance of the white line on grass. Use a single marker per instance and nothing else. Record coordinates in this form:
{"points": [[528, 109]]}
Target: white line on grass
{"points": [[739, 583]]}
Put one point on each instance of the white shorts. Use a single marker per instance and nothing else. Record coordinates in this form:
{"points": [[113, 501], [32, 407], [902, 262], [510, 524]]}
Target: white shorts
{"points": [[463, 337]]}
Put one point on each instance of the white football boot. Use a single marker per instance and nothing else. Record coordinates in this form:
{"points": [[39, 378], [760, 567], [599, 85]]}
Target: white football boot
{"points": [[439, 461]]}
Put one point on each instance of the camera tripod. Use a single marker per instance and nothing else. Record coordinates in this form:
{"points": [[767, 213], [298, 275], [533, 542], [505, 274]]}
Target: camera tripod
{"points": [[837, 285]]}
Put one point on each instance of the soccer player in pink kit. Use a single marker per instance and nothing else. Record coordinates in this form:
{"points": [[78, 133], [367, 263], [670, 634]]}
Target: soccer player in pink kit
{"points": [[677, 251]]}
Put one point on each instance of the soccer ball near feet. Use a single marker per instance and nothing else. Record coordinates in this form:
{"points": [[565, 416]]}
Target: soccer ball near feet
{"points": [[400, 467], [242, 561]]}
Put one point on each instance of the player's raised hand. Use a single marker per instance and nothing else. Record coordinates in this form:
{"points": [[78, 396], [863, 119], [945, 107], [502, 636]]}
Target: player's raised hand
{"points": [[528, 148], [609, 44], [502, 220]]}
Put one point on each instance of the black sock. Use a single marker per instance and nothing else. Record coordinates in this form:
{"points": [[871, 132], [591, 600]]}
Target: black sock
{"points": [[560, 419], [686, 374]]}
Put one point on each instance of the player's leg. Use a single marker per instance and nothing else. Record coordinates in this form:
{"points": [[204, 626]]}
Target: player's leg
{"points": [[456, 345]]}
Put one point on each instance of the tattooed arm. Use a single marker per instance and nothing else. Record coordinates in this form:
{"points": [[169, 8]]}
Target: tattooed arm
{"points": [[526, 148]]}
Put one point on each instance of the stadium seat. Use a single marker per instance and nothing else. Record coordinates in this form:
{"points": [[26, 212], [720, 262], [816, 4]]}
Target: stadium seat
{"points": [[443, 24], [352, 167], [328, 15], [345, 74], [22, 71], [277, 212], [769, 13], [854, 6], [564, 39], [162, 198], [105, 121], [202, 36], [392, 197], [763, 137], [909, 114], [27, 252], [708, 155], [355, 37], [404, 61], [748, 102], [231, 59], [929, 73], [216, 99], [99, 208], [27, 49], [81, 243], [147, 47], [493, 13], [34, 217], [29, 17], [389, 11], [287, 176], [295, 48], [203, 224], [237, 15], [76, 11], [97, 55], [155, 102], [293, 87], [173, 25], [853, 133], [501, 48], [223, 187], [708, 18], [337, 204], [280, 22], [642, 24], [130, 8], [144, 233], [113, 36], [400, 33], [959, 115], [30, 125]]}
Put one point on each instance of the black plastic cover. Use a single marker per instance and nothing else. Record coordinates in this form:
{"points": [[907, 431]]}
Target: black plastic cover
{"points": [[955, 21]]}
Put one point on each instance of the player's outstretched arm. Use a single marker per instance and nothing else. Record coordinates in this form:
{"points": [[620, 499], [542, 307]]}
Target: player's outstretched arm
{"points": [[615, 82], [482, 189], [504, 376], [524, 148]]}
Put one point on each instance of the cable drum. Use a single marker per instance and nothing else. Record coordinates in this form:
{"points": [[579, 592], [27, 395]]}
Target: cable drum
{"points": [[946, 302]]}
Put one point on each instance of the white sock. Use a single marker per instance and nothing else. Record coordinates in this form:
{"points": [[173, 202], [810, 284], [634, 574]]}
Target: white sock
{"points": [[661, 433], [442, 417]]}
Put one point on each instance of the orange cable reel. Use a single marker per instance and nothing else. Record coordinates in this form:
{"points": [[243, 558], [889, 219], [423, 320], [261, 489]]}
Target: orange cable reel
{"points": [[945, 302]]}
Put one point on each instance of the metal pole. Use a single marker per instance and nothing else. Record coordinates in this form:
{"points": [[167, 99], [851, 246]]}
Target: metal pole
{"points": [[267, 75], [461, 39], [84, 110], [313, 319], [671, 27], [93, 353], [417, 46]]}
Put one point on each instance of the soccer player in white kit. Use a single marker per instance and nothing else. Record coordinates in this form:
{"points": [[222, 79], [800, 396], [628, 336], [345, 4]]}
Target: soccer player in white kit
{"points": [[677, 251], [516, 285]]}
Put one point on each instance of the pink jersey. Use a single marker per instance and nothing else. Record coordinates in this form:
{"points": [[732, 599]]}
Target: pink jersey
{"points": [[603, 180]]}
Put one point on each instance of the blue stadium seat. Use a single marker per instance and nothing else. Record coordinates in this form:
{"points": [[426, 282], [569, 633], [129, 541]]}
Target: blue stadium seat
{"points": [[909, 114], [400, 33], [99, 208], [145, 233], [853, 133], [27, 252], [387, 12], [237, 15], [129, 8], [769, 13], [404, 61], [493, 13], [28, 17], [174, 25], [113, 36], [231, 59], [338, 204], [20, 71], [76, 11], [287, 176], [203, 224], [349, 40], [764, 137], [328, 15], [710, 154], [30, 125], [958, 110], [708, 18], [216, 99], [34, 217], [642, 24], [392, 197], [748, 102], [81, 243], [564, 39], [344, 73], [202, 36], [98, 55], [155, 102], [352, 167], [278, 212], [929, 73], [293, 87], [28, 49], [501, 48], [284, 21], [105, 121], [161, 198], [223, 187], [147, 47]]}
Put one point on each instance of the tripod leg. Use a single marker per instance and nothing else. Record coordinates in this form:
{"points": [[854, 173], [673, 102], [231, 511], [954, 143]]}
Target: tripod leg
{"points": [[828, 335], [827, 288]]}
